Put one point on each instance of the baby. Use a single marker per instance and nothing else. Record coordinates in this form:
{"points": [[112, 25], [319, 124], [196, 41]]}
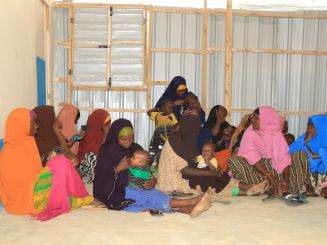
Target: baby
{"points": [[163, 116], [207, 159], [139, 171]]}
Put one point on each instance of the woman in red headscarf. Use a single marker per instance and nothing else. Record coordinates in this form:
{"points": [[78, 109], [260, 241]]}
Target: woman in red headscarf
{"points": [[98, 124]]}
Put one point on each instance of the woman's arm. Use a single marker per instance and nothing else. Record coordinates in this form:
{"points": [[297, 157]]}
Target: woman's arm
{"points": [[61, 138]]}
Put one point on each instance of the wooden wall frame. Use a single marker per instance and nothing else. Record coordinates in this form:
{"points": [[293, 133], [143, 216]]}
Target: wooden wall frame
{"points": [[228, 48]]}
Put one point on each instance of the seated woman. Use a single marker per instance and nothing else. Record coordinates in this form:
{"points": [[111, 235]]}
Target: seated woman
{"points": [[68, 117], [314, 144], [176, 92], [26, 188], [111, 182], [213, 128], [263, 154], [46, 139], [97, 124], [180, 150]]}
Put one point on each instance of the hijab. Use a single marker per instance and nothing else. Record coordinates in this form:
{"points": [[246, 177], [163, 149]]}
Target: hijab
{"points": [[317, 145], [67, 116], [184, 141], [20, 164], [170, 92], [46, 139], [266, 142], [109, 187], [92, 141]]}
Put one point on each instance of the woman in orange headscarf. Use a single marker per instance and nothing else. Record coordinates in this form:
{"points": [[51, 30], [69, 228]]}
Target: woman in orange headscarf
{"points": [[20, 163], [25, 186]]}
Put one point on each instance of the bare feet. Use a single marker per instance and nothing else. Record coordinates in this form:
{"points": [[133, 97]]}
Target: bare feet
{"points": [[258, 189], [203, 204], [95, 204]]}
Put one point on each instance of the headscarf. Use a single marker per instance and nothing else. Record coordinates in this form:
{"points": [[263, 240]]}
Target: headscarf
{"points": [[170, 92], [317, 145], [67, 116], [92, 141], [20, 164], [184, 141], [46, 139], [267, 142], [212, 118], [109, 187]]}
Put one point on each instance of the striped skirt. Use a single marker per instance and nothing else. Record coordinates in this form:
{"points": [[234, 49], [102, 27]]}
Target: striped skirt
{"points": [[247, 174]]}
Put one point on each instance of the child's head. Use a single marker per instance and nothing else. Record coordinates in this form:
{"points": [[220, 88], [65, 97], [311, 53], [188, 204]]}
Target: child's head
{"points": [[167, 107], [140, 158], [289, 138], [208, 150], [228, 133], [191, 100]]}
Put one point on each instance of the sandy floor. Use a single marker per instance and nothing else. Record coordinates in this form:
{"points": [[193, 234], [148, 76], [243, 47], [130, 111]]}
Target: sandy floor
{"points": [[247, 220]]}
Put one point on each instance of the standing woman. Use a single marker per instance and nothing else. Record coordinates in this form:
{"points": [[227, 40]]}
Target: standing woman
{"points": [[212, 131], [176, 92], [26, 188], [263, 154], [314, 144], [110, 177], [98, 124], [69, 116]]}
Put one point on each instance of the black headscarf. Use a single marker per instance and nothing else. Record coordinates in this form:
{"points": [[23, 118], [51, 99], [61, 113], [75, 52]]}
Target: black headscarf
{"points": [[170, 92], [108, 186], [184, 141]]}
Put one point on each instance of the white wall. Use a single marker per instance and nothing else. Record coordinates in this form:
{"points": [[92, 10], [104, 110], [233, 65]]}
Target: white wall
{"points": [[20, 42]]}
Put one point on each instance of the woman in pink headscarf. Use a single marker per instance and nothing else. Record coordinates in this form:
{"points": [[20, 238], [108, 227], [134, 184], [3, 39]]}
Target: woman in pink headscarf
{"points": [[263, 155]]}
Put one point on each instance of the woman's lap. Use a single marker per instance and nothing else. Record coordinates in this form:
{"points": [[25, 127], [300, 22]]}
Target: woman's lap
{"points": [[247, 174], [147, 199]]}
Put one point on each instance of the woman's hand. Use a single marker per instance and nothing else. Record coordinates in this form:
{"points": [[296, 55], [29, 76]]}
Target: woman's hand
{"points": [[57, 125], [150, 183], [123, 165]]}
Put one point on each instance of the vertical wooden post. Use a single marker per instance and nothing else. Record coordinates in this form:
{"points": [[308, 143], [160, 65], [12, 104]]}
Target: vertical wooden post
{"points": [[149, 60], [228, 56], [109, 58], [107, 9], [70, 53], [204, 55]]}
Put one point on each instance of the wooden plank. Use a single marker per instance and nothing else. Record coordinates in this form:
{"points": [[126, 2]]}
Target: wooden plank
{"points": [[215, 49], [204, 56], [174, 10], [228, 56], [277, 14], [177, 50], [70, 54], [114, 109], [149, 29], [127, 42], [107, 88], [280, 51], [298, 113], [60, 80], [160, 82], [108, 43]]}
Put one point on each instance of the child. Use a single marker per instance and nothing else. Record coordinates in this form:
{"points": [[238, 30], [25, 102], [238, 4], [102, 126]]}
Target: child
{"points": [[207, 159], [165, 120], [191, 102], [164, 116], [139, 171]]}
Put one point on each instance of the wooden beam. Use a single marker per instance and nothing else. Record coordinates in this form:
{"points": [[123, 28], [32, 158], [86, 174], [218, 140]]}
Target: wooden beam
{"points": [[277, 14], [70, 54], [108, 43], [60, 80], [174, 10], [214, 49], [280, 51], [148, 62], [160, 82], [177, 50], [113, 109], [129, 88], [295, 113], [89, 87], [204, 56], [228, 55]]}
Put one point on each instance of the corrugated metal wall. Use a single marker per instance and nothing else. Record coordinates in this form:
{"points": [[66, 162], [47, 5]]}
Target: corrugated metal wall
{"points": [[287, 82]]}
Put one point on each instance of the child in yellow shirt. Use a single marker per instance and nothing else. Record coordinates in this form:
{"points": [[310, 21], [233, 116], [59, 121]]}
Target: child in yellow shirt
{"points": [[164, 120]]}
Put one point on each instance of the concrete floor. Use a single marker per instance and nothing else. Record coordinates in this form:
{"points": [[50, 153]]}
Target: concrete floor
{"points": [[247, 220]]}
